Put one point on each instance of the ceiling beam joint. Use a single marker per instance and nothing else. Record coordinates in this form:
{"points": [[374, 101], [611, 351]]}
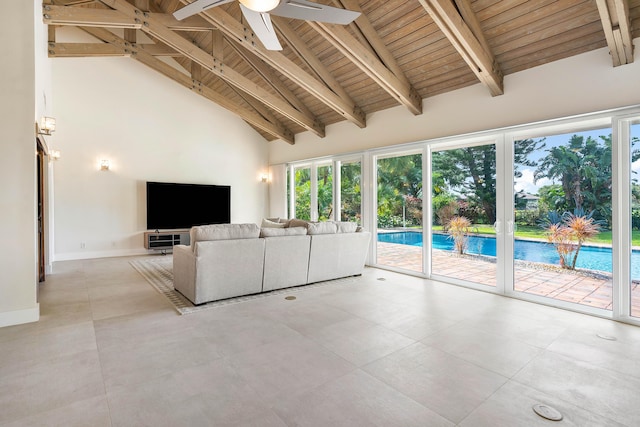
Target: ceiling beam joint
{"points": [[477, 55]]}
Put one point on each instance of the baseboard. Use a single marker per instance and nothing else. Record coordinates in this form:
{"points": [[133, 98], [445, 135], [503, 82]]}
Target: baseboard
{"points": [[18, 317], [71, 256]]}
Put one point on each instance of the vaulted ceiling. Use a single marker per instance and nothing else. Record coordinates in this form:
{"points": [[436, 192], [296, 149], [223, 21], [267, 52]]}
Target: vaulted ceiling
{"points": [[395, 53]]}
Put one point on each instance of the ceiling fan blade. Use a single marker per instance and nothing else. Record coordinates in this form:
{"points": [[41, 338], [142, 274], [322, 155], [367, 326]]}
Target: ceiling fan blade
{"points": [[261, 25], [197, 7], [302, 9]]}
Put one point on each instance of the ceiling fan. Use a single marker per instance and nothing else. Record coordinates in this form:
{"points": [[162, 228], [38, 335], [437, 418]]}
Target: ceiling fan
{"points": [[257, 13]]}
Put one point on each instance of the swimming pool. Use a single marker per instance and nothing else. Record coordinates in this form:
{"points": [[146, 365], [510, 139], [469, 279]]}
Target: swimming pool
{"points": [[591, 257]]}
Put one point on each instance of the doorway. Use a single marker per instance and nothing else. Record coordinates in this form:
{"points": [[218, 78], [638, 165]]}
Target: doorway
{"points": [[40, 177]]}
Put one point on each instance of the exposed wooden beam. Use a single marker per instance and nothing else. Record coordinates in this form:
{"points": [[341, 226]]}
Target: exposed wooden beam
{"points": [[237, 31], [73, 50], [373, 58], [402, 92], [148, 24], [217, 44], [158, 50], [276, 129], [614, 15], [66, 15], [305, 54], [105, 18], [373, 39], [270, 77], [454, 27]]}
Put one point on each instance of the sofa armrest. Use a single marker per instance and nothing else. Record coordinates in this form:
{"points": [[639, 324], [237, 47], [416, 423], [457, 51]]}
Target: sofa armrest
{"points": [[184, 271]]}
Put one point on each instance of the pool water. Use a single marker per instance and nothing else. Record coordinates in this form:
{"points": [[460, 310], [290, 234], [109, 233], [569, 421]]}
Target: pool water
{"points": [[590, 257]]}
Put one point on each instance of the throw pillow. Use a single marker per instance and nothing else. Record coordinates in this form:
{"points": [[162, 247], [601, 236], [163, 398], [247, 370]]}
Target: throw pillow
{"points": [[346, 226], [224, 232], [279, 232], [271, 224], [322, 228], [298, 223]]}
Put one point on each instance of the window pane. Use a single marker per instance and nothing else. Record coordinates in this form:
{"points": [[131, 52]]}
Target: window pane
{"points": [[562, 201], [635, 219], [400, 212], [464, 211], [303, 193], [325, 193], [350, 197]]}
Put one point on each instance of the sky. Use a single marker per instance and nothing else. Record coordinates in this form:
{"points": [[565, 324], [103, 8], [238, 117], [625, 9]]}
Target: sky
{"points": [[526, 182]]}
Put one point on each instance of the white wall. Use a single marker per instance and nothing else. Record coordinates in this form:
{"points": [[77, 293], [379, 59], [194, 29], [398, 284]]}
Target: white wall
{"points": [[18, 278], [151, 129], [580, 84]]}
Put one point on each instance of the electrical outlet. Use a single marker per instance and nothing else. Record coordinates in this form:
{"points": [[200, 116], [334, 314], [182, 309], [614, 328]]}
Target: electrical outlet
{"points": [[82, 245]]}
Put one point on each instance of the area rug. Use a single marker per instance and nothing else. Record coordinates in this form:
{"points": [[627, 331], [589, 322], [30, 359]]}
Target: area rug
{"points": [[159, 274]]}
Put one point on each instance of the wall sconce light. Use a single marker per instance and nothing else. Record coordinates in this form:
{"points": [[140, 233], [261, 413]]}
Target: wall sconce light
{"points": [[264, 177], [105, 164], [47, 125], [54, 154]]}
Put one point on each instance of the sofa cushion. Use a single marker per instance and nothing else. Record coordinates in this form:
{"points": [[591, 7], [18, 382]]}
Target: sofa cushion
{"points": [[224, 232], [322, 228], [346, 226], [295, 222], [278, 232], [266, 223]]}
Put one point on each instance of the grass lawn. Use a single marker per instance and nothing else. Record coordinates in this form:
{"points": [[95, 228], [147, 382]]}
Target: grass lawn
{"points": [[531, 232]]}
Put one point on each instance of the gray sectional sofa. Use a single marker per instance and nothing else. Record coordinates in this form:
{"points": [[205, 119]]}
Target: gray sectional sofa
{"points": [[230, 260]]}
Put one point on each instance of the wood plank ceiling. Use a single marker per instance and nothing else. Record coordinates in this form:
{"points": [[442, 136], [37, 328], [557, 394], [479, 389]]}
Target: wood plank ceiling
{"points": [[395, 53]]}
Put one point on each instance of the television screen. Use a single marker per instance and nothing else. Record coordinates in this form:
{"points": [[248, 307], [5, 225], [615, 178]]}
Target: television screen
{"points": [[176, 206]]}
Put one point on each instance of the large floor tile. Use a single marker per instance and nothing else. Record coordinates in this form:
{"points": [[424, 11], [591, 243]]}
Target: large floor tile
{"points": [[355, 399], [450, 386], [291, 365], [497, 353], [48, 344], [92, 412], [212, 394], [599, 390], [31, 387], [359, 341], [512, 406], [144, 361], [589, 347]]}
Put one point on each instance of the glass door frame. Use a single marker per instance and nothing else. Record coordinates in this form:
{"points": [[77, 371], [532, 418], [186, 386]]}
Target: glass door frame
{"points": [[371, 174], [538, 131], [501, 255], [621, 157]]}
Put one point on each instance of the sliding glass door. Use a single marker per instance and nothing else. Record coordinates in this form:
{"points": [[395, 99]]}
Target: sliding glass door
{"points": [[463, 205], [632, 137], [562, 204], [399, 212]]}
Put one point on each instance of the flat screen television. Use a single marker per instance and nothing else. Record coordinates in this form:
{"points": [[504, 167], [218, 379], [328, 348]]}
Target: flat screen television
{"points": [[176, 206]]}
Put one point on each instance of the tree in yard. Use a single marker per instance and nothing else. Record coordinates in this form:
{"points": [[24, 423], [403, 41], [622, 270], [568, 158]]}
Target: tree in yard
{"points": [[400, 189], [471, 171], [302, 190], [350, 191]]}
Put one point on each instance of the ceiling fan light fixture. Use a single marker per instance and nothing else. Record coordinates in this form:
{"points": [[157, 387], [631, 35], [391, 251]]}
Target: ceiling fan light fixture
{"points": [[261, 6]]}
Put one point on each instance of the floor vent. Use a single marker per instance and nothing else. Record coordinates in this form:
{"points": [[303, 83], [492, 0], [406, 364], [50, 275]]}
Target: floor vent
{"points": [[547, 412]]}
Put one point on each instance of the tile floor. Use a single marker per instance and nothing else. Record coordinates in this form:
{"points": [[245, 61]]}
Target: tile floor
{"points": [[110, 351]]}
